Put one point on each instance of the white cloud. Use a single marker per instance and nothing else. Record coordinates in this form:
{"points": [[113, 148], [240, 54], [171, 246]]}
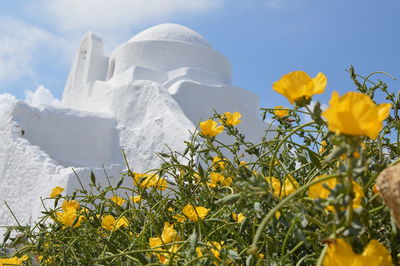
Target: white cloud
{"points": [[105, 15], [41, 97], [20, 45]]}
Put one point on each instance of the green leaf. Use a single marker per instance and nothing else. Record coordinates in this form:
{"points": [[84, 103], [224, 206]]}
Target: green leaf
{"points": [[230, 199], [92, 178], [6, 236]]}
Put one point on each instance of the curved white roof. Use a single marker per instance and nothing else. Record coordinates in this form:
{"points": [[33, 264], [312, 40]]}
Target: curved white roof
{"points": [[171, 32]]}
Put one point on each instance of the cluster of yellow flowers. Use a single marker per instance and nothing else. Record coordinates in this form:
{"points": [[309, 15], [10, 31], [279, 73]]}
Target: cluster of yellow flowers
{"points": [[149, 180], [211, 128], [70, 214], [353, 114]]}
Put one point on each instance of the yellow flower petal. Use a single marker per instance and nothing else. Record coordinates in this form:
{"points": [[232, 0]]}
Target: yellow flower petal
{"points": [[210, 128], [155, 181], [355, 114], [281, 112], [194, 213], [219, 162], [376, 254], [72, 204], [231, 119], [238, 217], [108, 222], [136, 199], [339, 253], [290, 185], [320, 82], [298, 84], [56, 191], [169, 234], [319, 190], [218, 179], [118, 200]]}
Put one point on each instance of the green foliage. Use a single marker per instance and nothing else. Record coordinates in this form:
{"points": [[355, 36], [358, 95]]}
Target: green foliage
{"points": [[279, 228]]}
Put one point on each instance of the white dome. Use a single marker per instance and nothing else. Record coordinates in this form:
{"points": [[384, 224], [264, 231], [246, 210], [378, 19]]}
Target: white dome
{"points": [[171, 32]]}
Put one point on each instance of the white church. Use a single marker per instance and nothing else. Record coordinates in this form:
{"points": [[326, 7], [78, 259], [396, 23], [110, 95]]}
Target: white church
{"points": [[146, 96]]}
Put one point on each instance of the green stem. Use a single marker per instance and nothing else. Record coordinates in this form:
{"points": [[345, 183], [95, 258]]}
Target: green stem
{"points": [[322, 255], [281, 143], [377, 72], [349, 217], [286, 239]]}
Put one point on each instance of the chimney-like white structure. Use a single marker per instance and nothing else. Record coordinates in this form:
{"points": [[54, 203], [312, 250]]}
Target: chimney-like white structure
{"points": [[89, 65]]}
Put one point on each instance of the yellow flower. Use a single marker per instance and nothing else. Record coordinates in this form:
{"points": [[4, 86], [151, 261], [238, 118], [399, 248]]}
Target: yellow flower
{"points": [[137, 178], [298, 84], [281, 112], [68, 218], [155, 242], [217, 246], [121, 222], [231, 119], [238, 217], [290, 185], [179, 217], [118, 200], [217, 179], [154, 181], [277, 215], [56, 191], [110, 223], [169, 234], [13, 261], [219, 162], [199, 252], [136, 199], [340, 253], [376, 254], [323, 145], [355, 114], [72, 204], [319, 190], [210, 128], [194, 213]]}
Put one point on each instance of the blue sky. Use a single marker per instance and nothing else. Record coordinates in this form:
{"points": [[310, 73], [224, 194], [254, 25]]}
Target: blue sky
{"points": [[263, 39]]}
